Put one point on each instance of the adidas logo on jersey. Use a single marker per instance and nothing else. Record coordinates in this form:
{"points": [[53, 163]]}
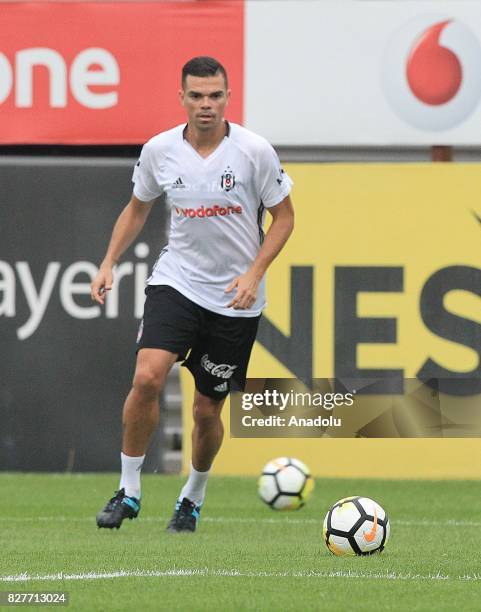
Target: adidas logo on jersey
{"points": [[178, 184], [222, 387]]}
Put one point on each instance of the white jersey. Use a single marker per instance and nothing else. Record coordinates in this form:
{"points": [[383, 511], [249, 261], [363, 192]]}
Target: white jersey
{"points": [[217, 211]]}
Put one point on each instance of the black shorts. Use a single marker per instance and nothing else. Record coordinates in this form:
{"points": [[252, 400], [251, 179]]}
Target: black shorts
{"points": [[219, 346]]}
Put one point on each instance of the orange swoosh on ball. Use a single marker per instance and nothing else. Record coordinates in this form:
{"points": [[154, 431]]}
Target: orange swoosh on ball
{"points": [[370, 535]]}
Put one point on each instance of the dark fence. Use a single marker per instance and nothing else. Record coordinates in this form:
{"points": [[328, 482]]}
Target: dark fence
{"points": [[66, 364]]}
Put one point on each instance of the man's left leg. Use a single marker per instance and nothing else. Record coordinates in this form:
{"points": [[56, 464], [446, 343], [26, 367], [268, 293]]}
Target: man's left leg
{"points": [[218, 360], [207, 436], [208, 431]]}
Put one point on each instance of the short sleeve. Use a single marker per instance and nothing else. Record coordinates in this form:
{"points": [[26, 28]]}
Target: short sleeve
{"points": [[146, 187], [274, 182]]}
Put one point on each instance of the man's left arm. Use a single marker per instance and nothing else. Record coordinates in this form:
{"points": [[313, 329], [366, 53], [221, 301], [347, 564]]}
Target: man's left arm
{"points": [[276, 237]]}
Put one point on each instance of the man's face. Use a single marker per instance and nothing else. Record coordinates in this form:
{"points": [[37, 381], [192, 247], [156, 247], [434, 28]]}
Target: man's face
{"points": [[204, 99]]}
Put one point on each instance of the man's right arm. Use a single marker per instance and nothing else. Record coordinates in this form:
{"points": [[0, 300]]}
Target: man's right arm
{"points": [[126, 229]]}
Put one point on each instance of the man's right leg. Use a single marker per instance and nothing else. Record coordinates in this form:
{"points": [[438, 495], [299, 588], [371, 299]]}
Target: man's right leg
{"points": [[141, 408], [140, 418]]}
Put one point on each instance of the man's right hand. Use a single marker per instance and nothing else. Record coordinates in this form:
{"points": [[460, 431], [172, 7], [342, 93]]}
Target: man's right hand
{"points": [[101, 284]]}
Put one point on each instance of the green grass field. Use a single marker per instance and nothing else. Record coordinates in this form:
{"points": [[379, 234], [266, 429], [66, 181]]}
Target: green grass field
{"points": [[244, 556]]}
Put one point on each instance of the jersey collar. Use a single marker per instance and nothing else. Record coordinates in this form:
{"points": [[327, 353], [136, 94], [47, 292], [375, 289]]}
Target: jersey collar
{"points": [[226, 135]]}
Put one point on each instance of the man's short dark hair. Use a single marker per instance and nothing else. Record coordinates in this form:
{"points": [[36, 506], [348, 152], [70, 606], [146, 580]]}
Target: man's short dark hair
{"points": [[203, 66]]}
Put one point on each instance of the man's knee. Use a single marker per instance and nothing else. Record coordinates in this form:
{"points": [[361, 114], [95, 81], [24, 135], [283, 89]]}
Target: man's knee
{"points": [[153, 366], [147, 382], [206, 409]]}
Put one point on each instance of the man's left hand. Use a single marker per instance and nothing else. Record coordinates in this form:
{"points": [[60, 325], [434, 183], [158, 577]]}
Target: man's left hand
{"points": [[246, 294]]}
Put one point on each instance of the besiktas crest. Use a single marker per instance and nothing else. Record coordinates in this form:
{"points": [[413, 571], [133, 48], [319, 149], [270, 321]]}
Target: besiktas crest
{"points": [[227, 180]]}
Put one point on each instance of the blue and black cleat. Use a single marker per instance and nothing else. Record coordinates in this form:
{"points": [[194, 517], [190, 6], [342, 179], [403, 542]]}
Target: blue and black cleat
{"points": [[185, 517], [117, 509]]}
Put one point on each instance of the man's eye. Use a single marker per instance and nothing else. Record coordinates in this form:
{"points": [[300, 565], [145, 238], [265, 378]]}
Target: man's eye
{"points": [[195, 96], [216, 95]]}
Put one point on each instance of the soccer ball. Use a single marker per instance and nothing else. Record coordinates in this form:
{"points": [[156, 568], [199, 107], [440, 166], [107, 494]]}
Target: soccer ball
{"points": [[285, 484], [356, 526]]}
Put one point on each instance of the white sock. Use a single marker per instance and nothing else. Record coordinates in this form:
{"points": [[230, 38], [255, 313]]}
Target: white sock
{"points": [[130, 478], [194, 488]]}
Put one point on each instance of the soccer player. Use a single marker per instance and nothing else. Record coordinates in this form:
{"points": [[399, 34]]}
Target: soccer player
{"points": [[206, 292]]}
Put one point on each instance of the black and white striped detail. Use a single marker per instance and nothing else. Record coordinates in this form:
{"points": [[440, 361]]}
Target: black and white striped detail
{"points": [[260, 216], [162, 252]]}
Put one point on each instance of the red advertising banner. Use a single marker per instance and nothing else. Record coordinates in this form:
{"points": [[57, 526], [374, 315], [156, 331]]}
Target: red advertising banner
{"points": [[107, 73]]}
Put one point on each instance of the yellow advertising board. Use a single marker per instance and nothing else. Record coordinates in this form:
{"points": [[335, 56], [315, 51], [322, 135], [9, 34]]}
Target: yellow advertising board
{"points": [[382, 272]]}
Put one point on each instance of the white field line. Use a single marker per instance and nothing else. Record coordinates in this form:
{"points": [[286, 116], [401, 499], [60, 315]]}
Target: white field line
{"points": [[233, 573], [246, 520]]}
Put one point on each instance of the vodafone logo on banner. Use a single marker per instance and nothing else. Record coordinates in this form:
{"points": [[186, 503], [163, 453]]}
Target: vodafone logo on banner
{"points": [[434, 72], [108, 72], [90, 67], [431, 74]]}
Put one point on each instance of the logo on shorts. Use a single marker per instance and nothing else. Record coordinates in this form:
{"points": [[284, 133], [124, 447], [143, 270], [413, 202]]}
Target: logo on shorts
{"points": [[227, 181], [221, 370], [221, 388]]}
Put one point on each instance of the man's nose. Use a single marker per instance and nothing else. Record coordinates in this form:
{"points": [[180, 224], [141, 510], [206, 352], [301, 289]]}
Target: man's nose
{"points": [[206, 102]]}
